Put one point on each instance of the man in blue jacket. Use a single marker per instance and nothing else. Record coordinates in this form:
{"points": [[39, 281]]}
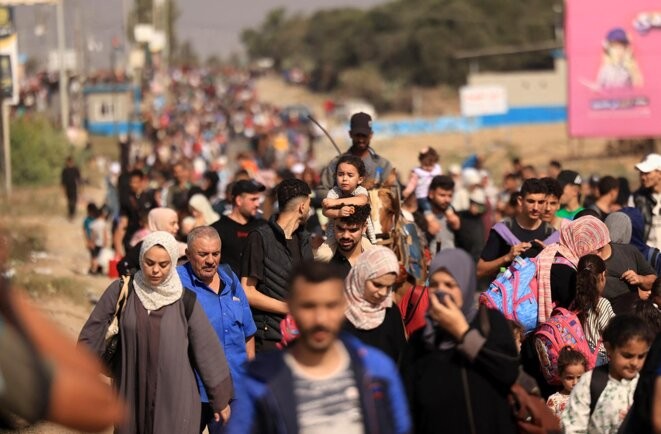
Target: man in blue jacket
{"points": [[325, 382], [220, 294]]}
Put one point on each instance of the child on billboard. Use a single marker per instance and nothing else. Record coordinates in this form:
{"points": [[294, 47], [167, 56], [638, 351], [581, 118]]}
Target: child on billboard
{"points": [[619, 69]]}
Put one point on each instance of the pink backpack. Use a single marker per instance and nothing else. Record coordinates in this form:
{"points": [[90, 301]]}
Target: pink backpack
{"points": [[561, 329]]}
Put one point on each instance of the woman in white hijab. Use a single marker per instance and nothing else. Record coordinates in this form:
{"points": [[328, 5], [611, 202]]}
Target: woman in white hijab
{"points": [[202, 210], [160, 324]]}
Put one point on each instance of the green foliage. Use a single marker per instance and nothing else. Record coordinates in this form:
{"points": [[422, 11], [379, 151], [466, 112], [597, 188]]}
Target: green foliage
{"points": [[38, 151], [405, 41]]}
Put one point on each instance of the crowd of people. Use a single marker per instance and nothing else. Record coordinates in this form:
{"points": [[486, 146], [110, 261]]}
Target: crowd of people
{"points": [[272, 300]]}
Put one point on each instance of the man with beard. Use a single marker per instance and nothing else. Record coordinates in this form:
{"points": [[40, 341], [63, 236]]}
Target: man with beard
{"points": [[442, 220], [235, 227], [273, 250], [377, 167], [523, 235], [221, 296], [348, 234], [324, 382]]}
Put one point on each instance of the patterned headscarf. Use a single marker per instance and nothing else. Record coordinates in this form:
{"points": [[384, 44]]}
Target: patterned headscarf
{"points": [[168, 291], [577, 239], [372, 264], [159, 218]]}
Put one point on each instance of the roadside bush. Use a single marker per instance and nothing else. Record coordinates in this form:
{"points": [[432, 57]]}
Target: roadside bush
{"points": [[38, 151]]}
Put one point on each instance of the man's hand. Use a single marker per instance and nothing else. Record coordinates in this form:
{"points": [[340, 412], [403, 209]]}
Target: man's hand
{"points": [[454, 222], [224, 415], [632, 278], [516, 250]]}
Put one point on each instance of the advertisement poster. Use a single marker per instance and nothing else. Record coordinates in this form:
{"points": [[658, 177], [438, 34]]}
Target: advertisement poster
{"points": [[614, 55], [8, 57]]}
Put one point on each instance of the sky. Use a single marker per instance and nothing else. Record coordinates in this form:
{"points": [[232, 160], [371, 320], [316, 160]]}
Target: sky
{"points": [[213, 26]]}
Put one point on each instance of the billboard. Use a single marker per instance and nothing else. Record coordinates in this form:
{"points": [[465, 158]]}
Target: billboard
{"points": [[614, 54], [8, 57]]}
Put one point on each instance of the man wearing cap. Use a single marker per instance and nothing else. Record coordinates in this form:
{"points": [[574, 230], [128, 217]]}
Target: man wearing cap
{"points": [[570, 201], [235, 227], [648, 198], [378, 168]]}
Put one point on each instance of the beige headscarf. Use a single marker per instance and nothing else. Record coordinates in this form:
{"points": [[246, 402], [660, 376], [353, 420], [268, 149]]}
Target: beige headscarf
{"points": [[372, 264], [202, 204], [168, 291], [159, 218]]}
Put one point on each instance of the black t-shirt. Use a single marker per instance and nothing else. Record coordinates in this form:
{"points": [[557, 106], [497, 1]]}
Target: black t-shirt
{"points": [[563, 285], [70, 179], [624, 257], [342, 262], [234, 238], [496, 246], [389, 337]]}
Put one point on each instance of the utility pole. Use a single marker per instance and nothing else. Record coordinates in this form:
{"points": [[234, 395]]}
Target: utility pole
{"points": [[64, 80]]}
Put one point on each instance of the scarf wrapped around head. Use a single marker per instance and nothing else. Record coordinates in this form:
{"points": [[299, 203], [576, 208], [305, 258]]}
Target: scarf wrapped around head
{"points": [[619, 227], [577, 239], [372, 264], [158, 219], [168, 291], [200, 203], [460, 265]]}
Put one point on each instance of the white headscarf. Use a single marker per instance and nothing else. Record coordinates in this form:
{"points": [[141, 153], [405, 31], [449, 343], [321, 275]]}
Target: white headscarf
{"points": [[200, 203], [168, 291], [372, 264]]}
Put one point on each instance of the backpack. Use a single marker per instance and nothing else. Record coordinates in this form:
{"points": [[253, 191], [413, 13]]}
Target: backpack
{"points": [[561, 329], [413, 307], [514, 291], [504, 229]]}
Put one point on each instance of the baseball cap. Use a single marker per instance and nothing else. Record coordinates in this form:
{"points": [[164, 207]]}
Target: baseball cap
{"points": [[361, 123], [247, 186], [651, 163], [566, 177], [617, 35]]}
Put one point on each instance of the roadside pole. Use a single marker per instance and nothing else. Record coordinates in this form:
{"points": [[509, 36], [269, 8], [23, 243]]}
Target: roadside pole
{"points": [[6, 146]]}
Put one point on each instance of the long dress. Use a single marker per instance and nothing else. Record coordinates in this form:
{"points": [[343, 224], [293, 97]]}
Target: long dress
{"points": [[155, 376]]}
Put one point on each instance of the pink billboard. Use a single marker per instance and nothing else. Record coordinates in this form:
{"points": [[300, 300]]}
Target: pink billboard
{"points": [[614, 54]]}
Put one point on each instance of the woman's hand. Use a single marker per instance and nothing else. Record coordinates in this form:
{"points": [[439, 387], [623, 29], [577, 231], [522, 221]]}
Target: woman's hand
{"points": [[448, 316]]}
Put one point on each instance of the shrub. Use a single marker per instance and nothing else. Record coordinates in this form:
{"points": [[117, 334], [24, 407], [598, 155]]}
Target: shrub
{"points": [[38, 151]]}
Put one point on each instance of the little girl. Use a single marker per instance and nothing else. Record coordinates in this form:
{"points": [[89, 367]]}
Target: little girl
{"points": [[571, 366], [592, 309], [421, 177], [627, 339], [341, 199]]}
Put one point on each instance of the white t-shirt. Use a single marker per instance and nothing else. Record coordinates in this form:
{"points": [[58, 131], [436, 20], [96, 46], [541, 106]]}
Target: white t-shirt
{"points": [[654, 238], [329, 404], [98, 232]]}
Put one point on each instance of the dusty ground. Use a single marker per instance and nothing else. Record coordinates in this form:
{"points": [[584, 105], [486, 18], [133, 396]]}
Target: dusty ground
{"points": [[66, 258]]}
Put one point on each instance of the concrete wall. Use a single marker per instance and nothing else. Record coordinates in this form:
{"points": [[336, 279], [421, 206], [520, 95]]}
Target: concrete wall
{"points": [[529, 88]]}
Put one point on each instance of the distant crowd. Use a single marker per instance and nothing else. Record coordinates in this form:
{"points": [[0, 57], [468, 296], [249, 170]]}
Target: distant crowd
{"points": [[275, 298]]}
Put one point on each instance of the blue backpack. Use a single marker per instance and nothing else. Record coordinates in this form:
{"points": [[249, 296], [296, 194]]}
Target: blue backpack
{"points": [[514, 291]]}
